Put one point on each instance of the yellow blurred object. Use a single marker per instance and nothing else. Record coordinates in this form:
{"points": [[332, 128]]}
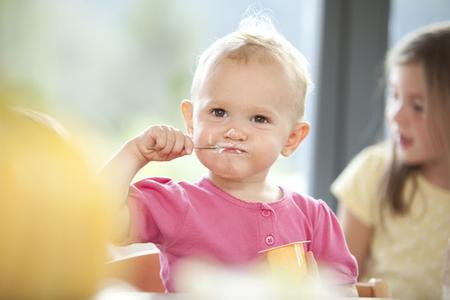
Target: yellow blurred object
{"points": [[54, 222], [288, 259]]}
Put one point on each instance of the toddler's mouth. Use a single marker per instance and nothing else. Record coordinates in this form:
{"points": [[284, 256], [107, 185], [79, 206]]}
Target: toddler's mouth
{"points": [[231, 150], [234, 149]]}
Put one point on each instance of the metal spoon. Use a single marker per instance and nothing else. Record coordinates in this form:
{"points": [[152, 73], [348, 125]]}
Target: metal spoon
{"points": [[199, 147]]}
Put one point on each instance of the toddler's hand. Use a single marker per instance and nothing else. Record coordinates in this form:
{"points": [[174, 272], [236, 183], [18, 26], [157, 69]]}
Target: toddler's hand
{"points": [[162, 143]]}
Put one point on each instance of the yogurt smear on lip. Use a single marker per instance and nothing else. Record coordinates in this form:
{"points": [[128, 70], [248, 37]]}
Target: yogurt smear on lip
{"points": [[229, 148]]}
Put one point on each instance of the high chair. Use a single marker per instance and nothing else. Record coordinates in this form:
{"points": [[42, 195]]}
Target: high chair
{"points": [[142, 272], [375, 288]]}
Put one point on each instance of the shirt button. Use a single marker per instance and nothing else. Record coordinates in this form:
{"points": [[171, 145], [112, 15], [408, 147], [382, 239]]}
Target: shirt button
{"points": [[270, 240], [266, 213]]}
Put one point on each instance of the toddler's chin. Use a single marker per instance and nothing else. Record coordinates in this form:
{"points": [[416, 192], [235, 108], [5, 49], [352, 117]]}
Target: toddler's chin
{"points": [[225, 173]]}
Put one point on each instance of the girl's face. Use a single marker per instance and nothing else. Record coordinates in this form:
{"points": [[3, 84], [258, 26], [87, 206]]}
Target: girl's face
{"points": [[407, 115], [246, 108]]}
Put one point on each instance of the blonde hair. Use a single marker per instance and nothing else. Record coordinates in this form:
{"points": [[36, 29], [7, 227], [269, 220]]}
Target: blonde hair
{"points": [[429, 47], [256, 38], [54, 222]]}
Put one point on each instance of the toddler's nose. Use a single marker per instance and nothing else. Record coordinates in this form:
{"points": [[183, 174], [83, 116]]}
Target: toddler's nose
{"points": [[235, 134]]}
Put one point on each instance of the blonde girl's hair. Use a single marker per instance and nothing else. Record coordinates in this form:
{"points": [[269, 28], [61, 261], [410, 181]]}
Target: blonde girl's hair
{"points": [[258, 39], [430, 47]]}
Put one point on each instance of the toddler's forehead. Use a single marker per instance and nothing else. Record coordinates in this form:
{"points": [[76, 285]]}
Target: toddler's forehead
{"points": [[224, 64], [228, 68]]}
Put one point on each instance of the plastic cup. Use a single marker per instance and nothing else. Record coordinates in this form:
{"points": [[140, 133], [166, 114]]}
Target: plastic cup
{"points": [[288, 260]]}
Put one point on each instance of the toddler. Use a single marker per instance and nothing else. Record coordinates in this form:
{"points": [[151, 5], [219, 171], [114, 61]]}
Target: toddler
{"points": [[246, 108]]}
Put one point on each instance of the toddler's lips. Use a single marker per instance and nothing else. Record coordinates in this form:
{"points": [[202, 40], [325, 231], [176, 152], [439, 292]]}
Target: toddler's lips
{"points": [[232, 149]]}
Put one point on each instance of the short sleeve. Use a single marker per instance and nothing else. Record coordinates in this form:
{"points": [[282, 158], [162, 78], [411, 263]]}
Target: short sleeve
{"points": [[358, 187], [329, 246], [158, 207]]}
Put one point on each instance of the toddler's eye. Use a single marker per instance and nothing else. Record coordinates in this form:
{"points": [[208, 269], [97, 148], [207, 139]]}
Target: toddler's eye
{"points": [[218, 112], [260, 119]]}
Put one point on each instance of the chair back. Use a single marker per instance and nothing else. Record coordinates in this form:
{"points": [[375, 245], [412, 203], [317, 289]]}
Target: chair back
{"points": [[141, 271], [374, 288]]}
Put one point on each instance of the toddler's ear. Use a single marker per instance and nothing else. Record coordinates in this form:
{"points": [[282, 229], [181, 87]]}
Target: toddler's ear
{"points": [[298, 133], [187, 111]]}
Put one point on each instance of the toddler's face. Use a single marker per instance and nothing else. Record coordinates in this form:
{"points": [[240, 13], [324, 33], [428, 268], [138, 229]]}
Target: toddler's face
{"points": [[406, 114], [247, 109]]}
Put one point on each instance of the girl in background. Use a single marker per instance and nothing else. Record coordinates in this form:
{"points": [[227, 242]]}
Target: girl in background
{"points": [[395, 196]]}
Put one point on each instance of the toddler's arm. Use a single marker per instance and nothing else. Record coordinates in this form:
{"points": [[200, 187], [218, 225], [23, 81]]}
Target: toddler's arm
{"points": [[157, 143]]}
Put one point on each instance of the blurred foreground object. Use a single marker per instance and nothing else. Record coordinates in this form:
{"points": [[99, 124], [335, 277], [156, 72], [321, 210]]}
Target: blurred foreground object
{"points": [[54, 223], [205, 280]]}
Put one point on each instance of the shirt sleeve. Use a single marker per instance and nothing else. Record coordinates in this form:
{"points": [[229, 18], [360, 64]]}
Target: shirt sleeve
{"points": [[158, 207], [358, 187], [330, 249]]}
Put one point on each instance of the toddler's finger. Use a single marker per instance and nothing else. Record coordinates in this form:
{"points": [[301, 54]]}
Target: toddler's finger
{"points": [[171, 138], [159, 135], [179, 143], [188, 145]]}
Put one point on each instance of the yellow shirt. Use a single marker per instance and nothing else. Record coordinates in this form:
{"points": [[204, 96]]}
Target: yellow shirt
{"points": [[409, 250]]}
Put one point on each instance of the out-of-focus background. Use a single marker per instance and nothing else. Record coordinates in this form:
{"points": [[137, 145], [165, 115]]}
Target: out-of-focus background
{"points": [[115, 67]]}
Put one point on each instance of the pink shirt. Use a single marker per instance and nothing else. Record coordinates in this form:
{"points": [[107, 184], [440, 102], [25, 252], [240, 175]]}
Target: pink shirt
{"points": [[185, 219]]}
